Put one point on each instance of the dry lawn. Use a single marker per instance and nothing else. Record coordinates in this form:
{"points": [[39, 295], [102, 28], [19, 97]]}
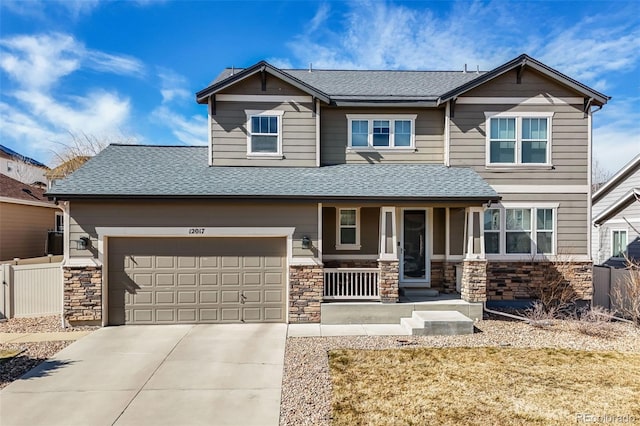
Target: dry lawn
{"points": [[485, 385]]}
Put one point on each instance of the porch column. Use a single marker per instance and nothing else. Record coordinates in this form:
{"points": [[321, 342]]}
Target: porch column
{"points": [[388, 256], [474, 265]]}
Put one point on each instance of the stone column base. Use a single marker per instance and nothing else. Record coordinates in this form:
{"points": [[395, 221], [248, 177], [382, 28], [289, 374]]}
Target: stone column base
{"points": [[305, 293], [388, 281], [82, 295], [474, 281]]}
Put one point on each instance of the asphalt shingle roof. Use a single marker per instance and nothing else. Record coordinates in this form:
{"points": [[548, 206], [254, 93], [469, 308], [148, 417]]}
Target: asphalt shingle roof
{"points": [[377, 84], [165, 171], [12, 188]]}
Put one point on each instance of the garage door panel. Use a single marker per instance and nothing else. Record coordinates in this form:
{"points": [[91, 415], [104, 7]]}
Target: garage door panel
{"points": [[230, 279], [190, 280], [252, 278], [273, 296], [187, 279], [165, 316], [230, 296], [165, 297], [186, 297], [230, 314], [208, 279], [187, 262], [209, 297], [273, 278], [165, 262]]}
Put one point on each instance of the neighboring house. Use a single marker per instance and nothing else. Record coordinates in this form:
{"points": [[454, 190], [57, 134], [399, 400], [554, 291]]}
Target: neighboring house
{"points": [[26, 217], [616, 217], [65, 169], [22, 168], [325, 185]]}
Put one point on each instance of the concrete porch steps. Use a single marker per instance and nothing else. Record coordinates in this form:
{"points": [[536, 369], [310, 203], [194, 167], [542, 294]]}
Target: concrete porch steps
{"points": [[390, 313], [433, 323]]}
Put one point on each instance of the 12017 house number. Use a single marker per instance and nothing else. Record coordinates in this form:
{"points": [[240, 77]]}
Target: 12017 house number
{"points": [[196, 231]]}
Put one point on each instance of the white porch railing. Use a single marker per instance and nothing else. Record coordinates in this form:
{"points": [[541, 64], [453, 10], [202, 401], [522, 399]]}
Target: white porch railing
{"points": [[351, 283]]}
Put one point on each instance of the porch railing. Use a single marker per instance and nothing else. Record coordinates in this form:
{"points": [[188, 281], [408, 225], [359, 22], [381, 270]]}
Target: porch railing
{"points": [[351, 283]]}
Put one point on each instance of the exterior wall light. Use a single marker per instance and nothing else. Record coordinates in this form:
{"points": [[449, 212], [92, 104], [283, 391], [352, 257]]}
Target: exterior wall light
{"points": [[306, 242], [83, 243]]}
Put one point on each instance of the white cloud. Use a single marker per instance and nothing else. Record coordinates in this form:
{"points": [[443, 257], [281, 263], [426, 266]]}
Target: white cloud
{"points": [[174, 90], [38, 9], [189, 130], [36, 62], [36, 114], [173, 86], [616, 133]]}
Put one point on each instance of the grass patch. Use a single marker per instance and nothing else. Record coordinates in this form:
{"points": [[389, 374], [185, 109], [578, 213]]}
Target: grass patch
{"points": [[457, 386]]}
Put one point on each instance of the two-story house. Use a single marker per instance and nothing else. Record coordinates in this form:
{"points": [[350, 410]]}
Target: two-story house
{"points": [[326, 185]]}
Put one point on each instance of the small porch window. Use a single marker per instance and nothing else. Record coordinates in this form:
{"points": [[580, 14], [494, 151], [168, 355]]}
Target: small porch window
{"points": [[348, 228]]}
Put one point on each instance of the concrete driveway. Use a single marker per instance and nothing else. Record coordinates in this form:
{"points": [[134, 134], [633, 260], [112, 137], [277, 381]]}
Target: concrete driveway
{"points": [[156, 375]]}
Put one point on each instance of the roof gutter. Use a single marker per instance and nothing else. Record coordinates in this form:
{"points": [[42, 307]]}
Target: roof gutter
{"points": [[316, 198]]}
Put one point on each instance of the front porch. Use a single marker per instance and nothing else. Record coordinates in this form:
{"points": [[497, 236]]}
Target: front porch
{"points": [[377, 264]]}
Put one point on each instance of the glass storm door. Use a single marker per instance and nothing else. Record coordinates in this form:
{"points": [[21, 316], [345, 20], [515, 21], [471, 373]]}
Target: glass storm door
{"points": [[413, 265]]}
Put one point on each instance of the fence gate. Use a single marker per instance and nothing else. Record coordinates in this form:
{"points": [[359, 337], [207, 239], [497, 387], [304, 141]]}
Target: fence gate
{"points": [[602, 286]]}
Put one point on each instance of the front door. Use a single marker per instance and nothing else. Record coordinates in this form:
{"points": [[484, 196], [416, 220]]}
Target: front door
{"points": [[414, 262]]}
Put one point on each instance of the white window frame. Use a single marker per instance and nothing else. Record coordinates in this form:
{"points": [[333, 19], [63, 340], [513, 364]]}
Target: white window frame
{"points": [[56, 227], [503, 207], [270, 113], [339, 245], [498, 231], [519, 116], [612, 251], [391, 118]]}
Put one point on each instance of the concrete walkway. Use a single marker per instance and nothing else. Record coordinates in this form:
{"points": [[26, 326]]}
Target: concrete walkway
{"points": [[42, 337], [327, 330], [156, 375]]}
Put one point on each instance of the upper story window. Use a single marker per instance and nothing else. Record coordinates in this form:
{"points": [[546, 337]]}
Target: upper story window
{"points": [[381, 131], [518, 138], [264, 133], [520, 230]]}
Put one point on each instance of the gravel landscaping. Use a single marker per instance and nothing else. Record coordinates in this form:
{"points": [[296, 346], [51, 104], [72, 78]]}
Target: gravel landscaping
{"points": [[31, 354], [306, 387]]}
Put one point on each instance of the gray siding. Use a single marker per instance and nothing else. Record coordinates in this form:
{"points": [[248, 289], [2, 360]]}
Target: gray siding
{"points": [[429, 137], [569, 151], [572, 221], [230, 135], [86, 216], [628, 219]]}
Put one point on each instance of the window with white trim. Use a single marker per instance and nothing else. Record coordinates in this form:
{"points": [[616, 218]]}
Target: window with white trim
{"points": [[518, 138], [492, 231], [519, 230], [618, 242], [59, 222], [348, 229], [381, 131], [264, 133]]}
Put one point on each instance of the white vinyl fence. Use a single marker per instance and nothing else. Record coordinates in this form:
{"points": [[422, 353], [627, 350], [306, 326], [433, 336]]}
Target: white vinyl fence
{"points": [[30, 290], [606, 283]]}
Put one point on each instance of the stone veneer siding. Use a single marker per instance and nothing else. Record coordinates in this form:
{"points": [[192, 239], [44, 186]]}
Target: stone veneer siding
{"points": [[443, 276], [388, 281], [474, 281], [82, 294], [306, 284], [522, 280]]}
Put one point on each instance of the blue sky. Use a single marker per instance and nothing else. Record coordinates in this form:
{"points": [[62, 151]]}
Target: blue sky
{"points": [[128, 70]]}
